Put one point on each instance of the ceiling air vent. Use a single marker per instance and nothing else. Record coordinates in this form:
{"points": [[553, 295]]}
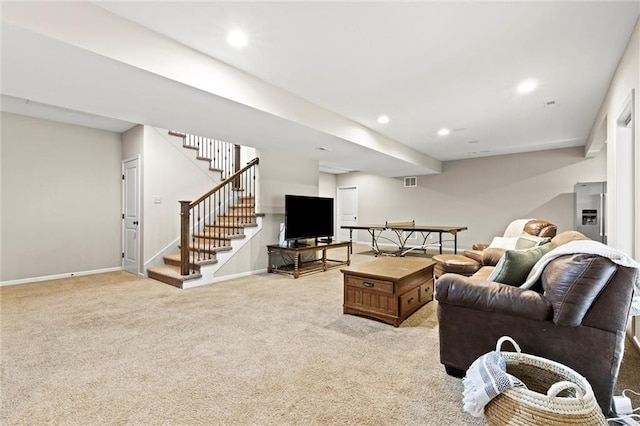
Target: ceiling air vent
{"points": [[410, 182]]}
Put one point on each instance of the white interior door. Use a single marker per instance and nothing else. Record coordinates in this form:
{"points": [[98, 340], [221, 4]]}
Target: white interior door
{"points": [[347, 210], [131, 216]]}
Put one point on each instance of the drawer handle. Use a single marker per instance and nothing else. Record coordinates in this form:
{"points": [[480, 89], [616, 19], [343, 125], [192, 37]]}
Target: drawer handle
{"points": [[367, 284], [410, 300]]}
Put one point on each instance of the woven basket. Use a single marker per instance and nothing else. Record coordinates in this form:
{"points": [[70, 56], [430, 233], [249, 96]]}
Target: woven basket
{"points": [[555, 394]]}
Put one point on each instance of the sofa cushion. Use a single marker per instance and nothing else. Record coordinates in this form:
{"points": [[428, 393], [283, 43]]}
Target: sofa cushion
{"points": [[474, 254], [491, 256], [515, 265], [573, 282], [565, 237]]}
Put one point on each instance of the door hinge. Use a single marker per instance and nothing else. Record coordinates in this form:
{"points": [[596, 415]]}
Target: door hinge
{"points": [[123, 215], [122, 177], [123, 255]]}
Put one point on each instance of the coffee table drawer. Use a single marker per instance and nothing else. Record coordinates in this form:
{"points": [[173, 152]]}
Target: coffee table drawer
{"points": [[370, 284], [370, 301], [409, 301], [426, 291]]}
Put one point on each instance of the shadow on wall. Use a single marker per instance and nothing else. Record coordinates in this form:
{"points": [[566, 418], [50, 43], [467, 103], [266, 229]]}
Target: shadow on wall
{"points": [[473, 177], [560, 211]]}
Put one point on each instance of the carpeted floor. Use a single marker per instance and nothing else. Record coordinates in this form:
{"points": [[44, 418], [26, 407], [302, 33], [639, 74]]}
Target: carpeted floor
{"points": [[264, 350]]}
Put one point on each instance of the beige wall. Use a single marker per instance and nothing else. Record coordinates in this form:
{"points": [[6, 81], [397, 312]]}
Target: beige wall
{"points": [[278, 174], [281, 173], [483, 194], [327, 187], [61, 198], [170, 177]]}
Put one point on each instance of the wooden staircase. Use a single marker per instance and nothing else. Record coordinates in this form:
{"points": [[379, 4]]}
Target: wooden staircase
{"points": [[215, 238], [210, 224]]}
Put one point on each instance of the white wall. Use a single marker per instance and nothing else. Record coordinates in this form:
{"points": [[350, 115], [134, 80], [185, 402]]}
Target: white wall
{"points": [[61, 198], [483, 194], [625, 80]]}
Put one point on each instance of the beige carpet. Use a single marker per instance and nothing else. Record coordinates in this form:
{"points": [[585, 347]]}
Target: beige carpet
{"points": [[264, 350]]}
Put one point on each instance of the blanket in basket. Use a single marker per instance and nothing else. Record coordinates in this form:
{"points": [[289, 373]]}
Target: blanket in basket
{"points": [[589, 247], [485, 379]]}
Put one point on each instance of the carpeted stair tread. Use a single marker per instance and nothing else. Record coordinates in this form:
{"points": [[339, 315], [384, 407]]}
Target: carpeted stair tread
{"points": [[207, 248], [218, 236], [170, 274], [174, 259]]}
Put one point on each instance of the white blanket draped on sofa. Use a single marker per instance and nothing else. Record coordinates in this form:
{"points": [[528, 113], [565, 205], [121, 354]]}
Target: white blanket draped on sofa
{"points": [[589, 247]]}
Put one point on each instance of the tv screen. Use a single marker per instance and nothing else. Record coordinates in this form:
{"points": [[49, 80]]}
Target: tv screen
{"points": [[307, 217]]}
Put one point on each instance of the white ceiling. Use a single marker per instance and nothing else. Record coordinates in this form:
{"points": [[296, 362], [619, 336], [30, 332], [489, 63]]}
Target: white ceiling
{"points": [[426, 65]]}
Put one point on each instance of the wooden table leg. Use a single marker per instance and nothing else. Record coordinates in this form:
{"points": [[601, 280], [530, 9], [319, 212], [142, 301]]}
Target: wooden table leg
{"points": [[296, 262], [324, 259]]}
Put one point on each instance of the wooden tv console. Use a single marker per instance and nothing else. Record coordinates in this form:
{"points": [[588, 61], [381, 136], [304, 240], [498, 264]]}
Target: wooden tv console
{"points": [[388, 289], [298, 268]]}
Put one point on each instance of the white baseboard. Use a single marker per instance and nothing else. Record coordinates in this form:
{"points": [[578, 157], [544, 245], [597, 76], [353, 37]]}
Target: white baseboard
{"points": [[225, 278], [635, 340], [59, 276]]}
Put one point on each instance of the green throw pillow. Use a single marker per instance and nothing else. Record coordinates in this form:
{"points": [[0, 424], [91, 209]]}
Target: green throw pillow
{"points": [[528, 241], [515, 265]]}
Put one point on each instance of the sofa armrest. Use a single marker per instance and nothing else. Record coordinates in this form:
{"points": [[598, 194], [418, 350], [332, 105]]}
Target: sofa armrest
{"points": [[476, 293], [475, 255], [491, 256]]}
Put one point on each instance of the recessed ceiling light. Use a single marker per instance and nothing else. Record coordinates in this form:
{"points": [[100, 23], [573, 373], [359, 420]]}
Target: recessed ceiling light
{"points": [[527, 86], [383, 119], [444, 132], [237, 38]]}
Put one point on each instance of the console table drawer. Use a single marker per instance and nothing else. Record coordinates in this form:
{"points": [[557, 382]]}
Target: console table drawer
{"points": [[370, 284]]}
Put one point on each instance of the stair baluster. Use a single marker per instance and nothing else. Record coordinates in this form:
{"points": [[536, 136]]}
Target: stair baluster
{"points": [[196, 220]]}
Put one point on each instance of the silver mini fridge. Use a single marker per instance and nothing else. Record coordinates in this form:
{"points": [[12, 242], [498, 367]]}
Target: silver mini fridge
{"points": [[590, 209]]}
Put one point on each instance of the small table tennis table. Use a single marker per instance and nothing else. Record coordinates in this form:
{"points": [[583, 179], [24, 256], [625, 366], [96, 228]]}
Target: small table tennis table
{"points": [[404, 231]]}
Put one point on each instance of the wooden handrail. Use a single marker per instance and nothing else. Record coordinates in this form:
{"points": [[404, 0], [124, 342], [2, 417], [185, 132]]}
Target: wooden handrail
{"points": [[178, 134], [194, 215], [225, 182]]}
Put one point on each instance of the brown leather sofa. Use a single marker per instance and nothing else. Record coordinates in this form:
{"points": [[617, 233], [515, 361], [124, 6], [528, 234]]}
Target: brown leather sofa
{"points": [[576, 314], [482, 255]]}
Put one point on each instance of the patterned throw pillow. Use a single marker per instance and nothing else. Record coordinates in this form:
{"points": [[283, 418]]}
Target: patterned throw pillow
{"points": [[515, 265]]}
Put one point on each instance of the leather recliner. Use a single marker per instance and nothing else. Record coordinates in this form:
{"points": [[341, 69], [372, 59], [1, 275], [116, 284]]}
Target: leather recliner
{"points": [[482, 255], [576, 316], [533, 227]]}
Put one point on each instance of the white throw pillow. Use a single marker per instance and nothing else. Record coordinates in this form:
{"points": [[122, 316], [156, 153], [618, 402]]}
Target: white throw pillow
{"points": [[504, 243]]}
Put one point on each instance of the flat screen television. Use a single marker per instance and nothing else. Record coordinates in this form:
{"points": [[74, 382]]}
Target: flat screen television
{"points": [[307, 217]]}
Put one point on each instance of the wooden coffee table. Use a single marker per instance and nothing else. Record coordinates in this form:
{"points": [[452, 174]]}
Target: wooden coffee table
{"points": [[388, 289]]}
